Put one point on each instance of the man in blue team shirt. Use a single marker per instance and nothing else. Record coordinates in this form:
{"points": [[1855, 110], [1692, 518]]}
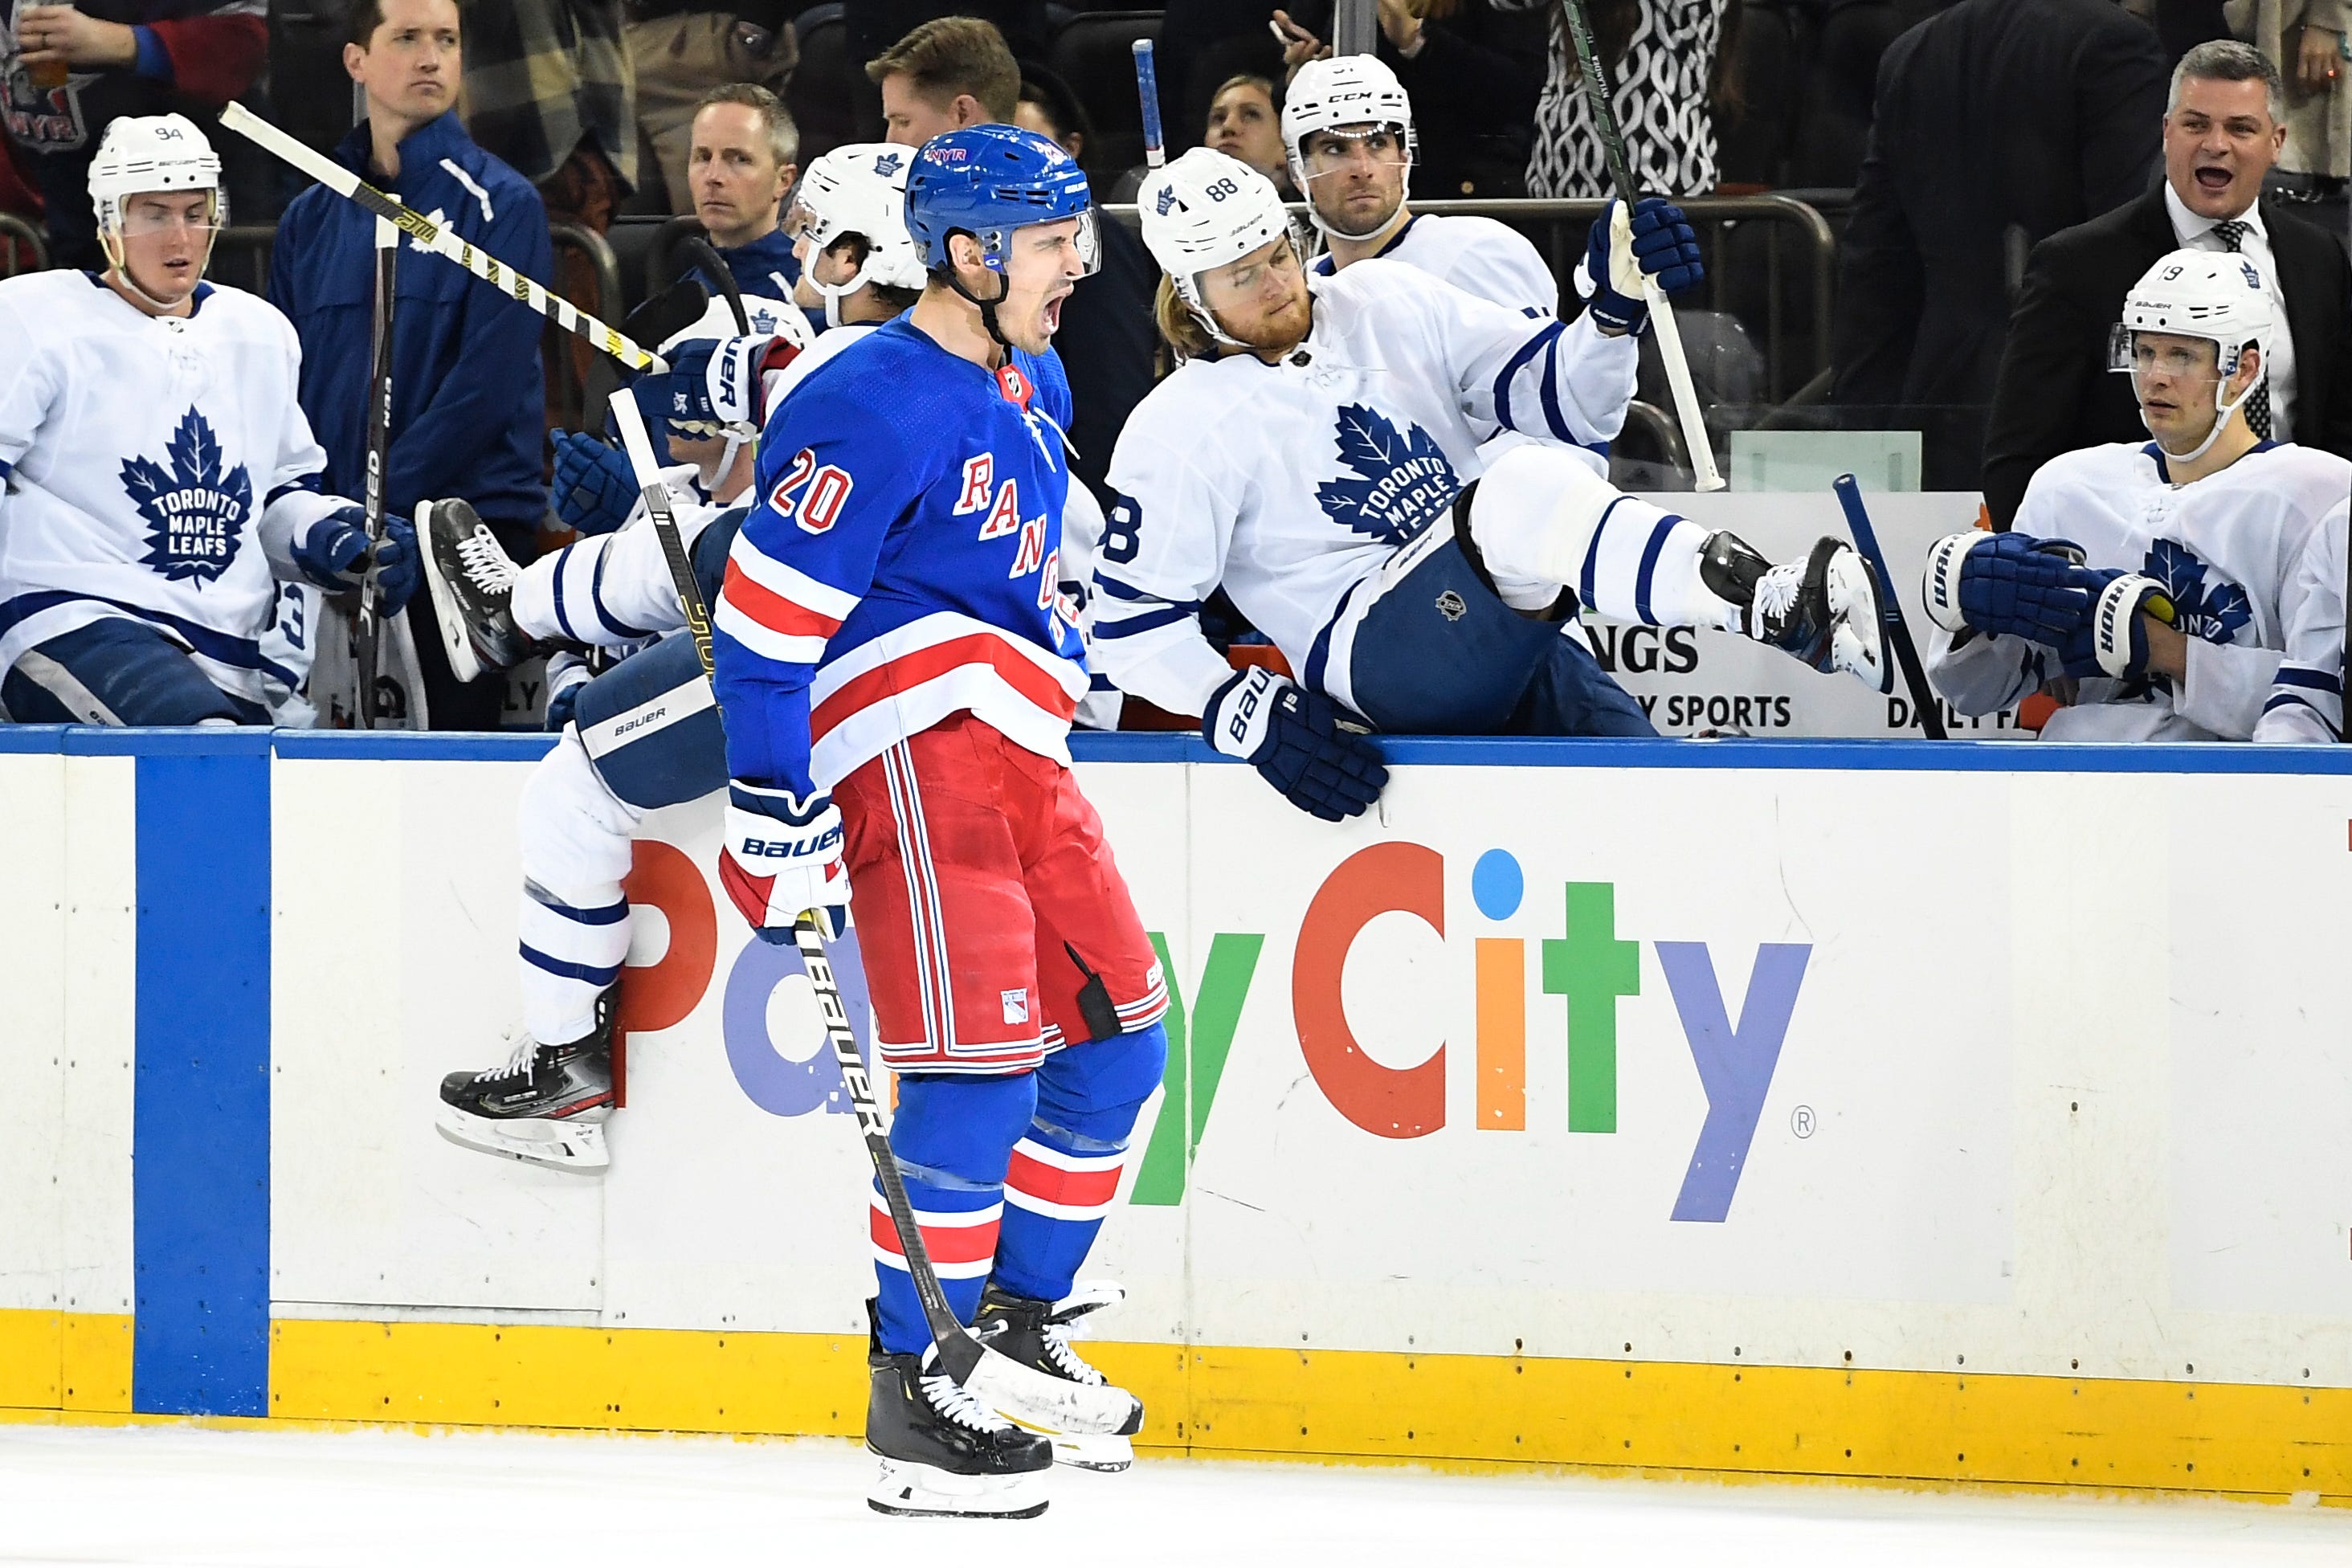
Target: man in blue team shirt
{"points": [[739, 164], [469, 395]]}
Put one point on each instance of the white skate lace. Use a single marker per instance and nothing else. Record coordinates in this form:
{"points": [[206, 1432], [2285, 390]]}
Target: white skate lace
{"points": [[1066, 1361], [944, 1394], [487, 566], [1776, 596], [519, 1065]]}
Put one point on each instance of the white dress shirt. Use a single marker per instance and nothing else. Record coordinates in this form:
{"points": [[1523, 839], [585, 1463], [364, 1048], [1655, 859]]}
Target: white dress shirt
{"points": [[2195, 233]]}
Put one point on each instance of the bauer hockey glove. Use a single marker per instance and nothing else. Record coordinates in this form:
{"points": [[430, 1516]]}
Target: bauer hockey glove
{"points": [[716, 387], [1292, 736], [2009, 584], [1655, 239], [595, 490], [332, 552], [2111, 639], [780, 855]]}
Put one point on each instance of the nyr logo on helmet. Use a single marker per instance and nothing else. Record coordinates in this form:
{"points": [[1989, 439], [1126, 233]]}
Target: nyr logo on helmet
{"points": [[933, 153], [195, 513], [2217, 612], [1399, 483]]}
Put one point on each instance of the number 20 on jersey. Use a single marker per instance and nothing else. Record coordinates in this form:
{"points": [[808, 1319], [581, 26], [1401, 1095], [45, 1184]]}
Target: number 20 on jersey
{"points": [[827, 488]]}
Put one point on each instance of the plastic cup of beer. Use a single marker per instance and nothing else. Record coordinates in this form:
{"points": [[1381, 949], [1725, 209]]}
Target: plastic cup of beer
{"points": [[48, 73]]}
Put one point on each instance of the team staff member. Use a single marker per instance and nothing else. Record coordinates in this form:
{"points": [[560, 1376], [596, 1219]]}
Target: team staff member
{"points": [[469, 395], [741, 159]]}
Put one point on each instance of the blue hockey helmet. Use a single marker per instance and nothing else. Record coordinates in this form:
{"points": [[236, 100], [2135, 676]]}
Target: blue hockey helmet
{"points": [[987, 181]]}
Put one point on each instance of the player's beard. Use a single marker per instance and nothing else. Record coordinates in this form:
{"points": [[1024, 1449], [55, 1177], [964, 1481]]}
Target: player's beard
{"points": [[1277, 331]]}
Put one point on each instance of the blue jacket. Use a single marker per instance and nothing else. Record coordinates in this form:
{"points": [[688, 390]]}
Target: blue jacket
{"points": [[469, 395]]}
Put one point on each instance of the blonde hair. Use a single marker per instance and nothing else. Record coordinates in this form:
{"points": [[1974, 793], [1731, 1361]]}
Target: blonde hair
{"points": [[1181, 328]]}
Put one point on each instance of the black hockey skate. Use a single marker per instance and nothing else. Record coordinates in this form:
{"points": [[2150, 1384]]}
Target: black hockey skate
{"points": [[1037, 1334], [944, 1454], [1822, 611], [546, 1106], [472, 580]]}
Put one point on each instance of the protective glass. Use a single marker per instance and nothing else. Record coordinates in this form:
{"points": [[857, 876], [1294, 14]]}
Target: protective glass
{"points": [[1085, 239], [1354, 147], [141, 218], [2175, 358], [802, 222]]}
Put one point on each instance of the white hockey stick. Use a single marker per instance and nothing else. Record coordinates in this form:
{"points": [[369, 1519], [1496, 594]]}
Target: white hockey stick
{"points": [[438, 239]]}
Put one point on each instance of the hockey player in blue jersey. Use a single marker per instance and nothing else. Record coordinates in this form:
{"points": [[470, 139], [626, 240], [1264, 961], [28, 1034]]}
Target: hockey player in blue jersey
{"points": [[897, 669]]}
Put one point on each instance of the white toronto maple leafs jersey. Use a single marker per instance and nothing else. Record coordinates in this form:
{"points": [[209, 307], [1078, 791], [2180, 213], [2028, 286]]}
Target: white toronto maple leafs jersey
{"points": [[1477, 256], [2225, 547], [140, 454], [1289, 484], [2306, 700]]}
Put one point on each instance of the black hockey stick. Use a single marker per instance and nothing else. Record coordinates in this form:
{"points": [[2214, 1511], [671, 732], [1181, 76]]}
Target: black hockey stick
{"points": [[1620, 174], [705, 255], [378, 445], [1925, 704]]}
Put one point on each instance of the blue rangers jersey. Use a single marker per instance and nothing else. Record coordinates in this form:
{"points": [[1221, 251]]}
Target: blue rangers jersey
{"points": [[900, 565]]}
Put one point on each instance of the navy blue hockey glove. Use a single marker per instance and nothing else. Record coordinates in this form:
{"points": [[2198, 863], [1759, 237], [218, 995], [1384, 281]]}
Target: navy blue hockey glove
{"points": [[715, 385], [2111, 639], [594, 486], [332, 553], [1655, 239], [1292, 736], [2009, 584], [780, 855]]}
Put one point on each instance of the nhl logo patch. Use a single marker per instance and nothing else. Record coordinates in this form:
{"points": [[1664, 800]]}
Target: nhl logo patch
{"points": [[1449, 605]]}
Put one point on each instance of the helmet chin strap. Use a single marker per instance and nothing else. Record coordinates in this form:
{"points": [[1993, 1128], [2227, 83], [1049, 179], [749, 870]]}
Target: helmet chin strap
{"points": [[987, 308], [1333, 231], [2221, 412], [111, 241]]}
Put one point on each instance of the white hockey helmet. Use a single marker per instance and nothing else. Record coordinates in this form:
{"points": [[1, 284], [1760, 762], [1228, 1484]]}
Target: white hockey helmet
{"points": [[144, 153], [2218, 296], [1204, 211], [1351, 95], [859, 189]]}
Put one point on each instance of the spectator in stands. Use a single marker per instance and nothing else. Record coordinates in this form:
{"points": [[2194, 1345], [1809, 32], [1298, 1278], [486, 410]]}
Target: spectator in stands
{"points": [[1109, 345], [1474, 75], [1246, 123], [679, 52], [945, 75], [742, 159], [467, 396], [2305, 40], [1205, 44], [1922, 270], [19, 197], [548, 90], [2221, 136], [160, 56], [1666, 60]]}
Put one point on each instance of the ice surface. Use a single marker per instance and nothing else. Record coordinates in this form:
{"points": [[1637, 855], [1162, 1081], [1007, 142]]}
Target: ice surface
{"points": [[179, 1495]]}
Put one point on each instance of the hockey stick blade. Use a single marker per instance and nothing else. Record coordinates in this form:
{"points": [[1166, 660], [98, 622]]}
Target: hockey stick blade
{"points": [[1022, 1393], [1924, 705]]}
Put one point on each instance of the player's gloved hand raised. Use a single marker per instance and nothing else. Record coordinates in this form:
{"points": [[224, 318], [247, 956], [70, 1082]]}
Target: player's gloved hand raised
{"points": [[2111, 639], [1655, 239], [717, 383], [1292, 736], [595, 490], [567, 672], [332, 552], [780, 855], [2009, 584]]}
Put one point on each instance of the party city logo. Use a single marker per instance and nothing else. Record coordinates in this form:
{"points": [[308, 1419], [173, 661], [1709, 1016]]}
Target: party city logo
{"points": [[1588, 967]]}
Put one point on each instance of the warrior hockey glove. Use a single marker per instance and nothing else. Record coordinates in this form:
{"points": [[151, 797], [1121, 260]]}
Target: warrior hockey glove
{"points": [[780, 855], [2009, 584], [716, 385], [2111, 640], [594, 488], [1292, 736], [332, 552], [1655, 239]]}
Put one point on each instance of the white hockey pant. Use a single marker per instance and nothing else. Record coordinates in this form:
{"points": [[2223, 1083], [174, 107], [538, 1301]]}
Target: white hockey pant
{"points": [[575, 839], [609, 590], [1543, 521]]}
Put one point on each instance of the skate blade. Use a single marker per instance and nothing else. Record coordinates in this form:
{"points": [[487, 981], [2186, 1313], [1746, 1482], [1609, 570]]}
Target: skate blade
{"points": [[909, 1490], [574, 1146], [455, 644], [1104, 1453]]}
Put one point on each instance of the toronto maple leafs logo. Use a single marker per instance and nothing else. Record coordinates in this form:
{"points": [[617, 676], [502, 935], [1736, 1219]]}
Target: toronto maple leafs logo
{"points": [[1167, 202], [1400, 483], [2216, 613], [889, 163], [195, 513]]}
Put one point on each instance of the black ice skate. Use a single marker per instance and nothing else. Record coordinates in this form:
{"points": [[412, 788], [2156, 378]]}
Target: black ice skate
{"points": [[1822, 611], [472, 581], [546, 1106], [944, 1454], [1037, 1334]]}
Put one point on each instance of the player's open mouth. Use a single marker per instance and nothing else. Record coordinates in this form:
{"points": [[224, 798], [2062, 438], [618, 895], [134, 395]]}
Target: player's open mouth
{"points": [[1054, 314], [2213, 178]]}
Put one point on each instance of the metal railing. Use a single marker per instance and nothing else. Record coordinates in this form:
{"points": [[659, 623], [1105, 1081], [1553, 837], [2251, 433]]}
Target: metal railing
{"points": [[14, 232]]}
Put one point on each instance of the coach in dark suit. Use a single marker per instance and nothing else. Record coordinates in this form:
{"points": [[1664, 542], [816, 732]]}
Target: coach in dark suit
{"points": [[2055, 393], [2031, 114]]}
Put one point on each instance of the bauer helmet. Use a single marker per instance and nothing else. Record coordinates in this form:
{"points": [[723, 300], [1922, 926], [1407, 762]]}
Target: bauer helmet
{"points": [[987, 181], [1204, 211], [860, 189], [142, 154], [1353, 96], [2218, 296]]}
